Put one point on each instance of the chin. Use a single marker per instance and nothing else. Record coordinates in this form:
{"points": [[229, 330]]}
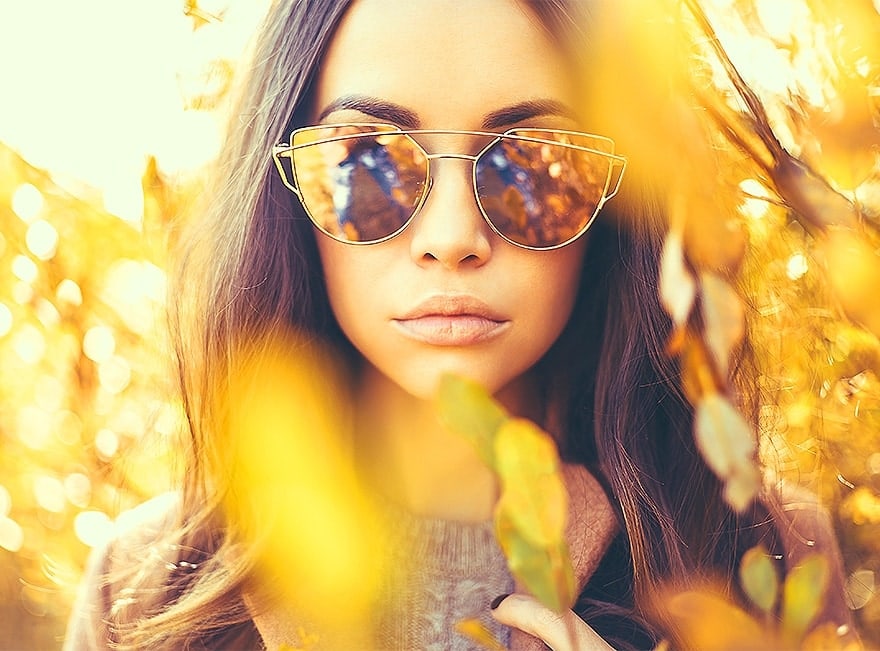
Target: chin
{"points": [[423, 384]]}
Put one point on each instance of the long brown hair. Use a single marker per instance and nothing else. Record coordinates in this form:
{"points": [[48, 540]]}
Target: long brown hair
{"points": [[250, 268]]}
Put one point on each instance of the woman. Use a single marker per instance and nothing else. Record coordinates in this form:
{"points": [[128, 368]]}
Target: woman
{"points": [[487, 270]]}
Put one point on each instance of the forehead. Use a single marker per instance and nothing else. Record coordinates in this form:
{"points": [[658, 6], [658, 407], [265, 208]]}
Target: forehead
{"points": [[449, 61]]}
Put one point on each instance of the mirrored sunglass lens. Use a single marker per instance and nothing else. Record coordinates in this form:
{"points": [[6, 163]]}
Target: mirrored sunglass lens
{"points": [[541, 194], [356, 186]]}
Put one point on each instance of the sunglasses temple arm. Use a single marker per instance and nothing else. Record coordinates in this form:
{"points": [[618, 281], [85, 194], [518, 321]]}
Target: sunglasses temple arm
{"points": [[277, 152], [614, 184]]}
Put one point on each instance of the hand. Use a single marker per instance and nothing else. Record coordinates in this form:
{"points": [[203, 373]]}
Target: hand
{"points": [[561, 632], [591, 528]]}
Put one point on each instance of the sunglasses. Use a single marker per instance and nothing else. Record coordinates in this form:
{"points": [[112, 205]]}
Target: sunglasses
{"points": [[539, 189]]}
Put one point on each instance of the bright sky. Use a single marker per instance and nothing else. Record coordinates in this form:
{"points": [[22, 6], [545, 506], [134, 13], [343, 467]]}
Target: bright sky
{"points": [[91, 87]]}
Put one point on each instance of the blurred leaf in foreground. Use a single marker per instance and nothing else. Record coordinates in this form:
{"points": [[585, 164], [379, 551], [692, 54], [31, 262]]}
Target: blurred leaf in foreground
{"points": [[294, 488], [728, 445], [531, 512], [803, 595], [468, 410], [476, 631], [757, 575]]}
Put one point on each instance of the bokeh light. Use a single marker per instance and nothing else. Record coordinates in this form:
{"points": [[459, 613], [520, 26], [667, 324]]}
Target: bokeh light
{"points": [[755, 203], [797, 266], [106, 443], [50, 493], [69, 292], [29, 343], [99, 343], [78, 489], [24, 268], [27, 202], [11, 535], [5, 319], [93, 528], [114, 374], [42, 239]]}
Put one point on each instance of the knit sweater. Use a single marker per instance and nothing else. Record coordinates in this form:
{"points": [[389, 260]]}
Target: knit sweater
{"points": [[459, 569]]}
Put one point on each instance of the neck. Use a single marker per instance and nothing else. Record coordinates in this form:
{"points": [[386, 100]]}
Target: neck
{"points": [[408, 456]]}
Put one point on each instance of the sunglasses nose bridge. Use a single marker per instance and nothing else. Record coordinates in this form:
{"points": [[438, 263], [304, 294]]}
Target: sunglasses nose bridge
{"points": [[432, 167]]}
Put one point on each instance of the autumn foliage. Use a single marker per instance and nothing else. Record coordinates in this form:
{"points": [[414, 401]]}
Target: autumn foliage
{"points": [[763, 135]]}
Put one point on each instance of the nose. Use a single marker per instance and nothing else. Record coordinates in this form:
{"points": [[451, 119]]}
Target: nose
{"points": [[449, 229]]}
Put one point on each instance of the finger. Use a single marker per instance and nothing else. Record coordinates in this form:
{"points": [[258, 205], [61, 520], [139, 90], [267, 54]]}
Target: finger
{"points": [[560, 631]]}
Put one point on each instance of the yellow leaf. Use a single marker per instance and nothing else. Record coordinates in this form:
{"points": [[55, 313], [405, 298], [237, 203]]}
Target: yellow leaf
{"points": [[803, 595], [476, 631], [703, 620], [724, 318], [757, 575], [532, 488], [531, 513], [714, 236], [854, 271], [678, 289], [294, 490], [728, 446], [699, 376], [467, 409], [741, 486], [546, 571], [827, 638]]}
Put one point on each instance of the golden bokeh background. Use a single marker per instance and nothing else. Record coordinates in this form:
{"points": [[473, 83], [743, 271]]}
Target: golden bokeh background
{"points": [[110, 114]]}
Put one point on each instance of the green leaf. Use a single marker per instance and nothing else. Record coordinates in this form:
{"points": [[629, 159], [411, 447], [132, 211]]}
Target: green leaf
{"points": [[467, 408], [803, 594], [532, 488], [545, 571], [757, 575], [531, 512]]}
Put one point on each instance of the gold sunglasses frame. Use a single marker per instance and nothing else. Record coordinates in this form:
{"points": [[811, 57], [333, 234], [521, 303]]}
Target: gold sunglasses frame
{"points": [[286, 149]]}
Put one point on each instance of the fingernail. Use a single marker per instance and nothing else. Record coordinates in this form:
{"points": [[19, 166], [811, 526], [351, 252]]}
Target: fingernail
{"points": [[497, 601]]}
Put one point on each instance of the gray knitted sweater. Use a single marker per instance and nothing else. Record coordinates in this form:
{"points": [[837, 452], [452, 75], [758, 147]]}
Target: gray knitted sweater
{"points": [[459, 569]]}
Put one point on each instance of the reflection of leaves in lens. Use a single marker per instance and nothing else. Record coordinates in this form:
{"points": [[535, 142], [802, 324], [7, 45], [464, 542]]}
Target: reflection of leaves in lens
{"points": [[387, 186], [546, 193], [362, 188]]}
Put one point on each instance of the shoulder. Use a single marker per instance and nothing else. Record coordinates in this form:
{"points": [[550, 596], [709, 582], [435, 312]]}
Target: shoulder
{"points": [[138, 534]]}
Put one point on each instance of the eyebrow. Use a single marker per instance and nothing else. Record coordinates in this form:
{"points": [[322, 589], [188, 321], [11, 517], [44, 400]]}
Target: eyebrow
{"points": [[522, 111], [374, 107], [408, 119]]}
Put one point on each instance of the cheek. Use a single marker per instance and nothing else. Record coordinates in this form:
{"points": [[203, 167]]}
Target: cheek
{"points": [[342, 285], [547, 298], [560, 280], [351, 275]]}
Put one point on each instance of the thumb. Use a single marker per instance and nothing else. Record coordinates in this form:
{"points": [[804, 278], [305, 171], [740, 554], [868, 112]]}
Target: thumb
{"points": [[560, 631]]}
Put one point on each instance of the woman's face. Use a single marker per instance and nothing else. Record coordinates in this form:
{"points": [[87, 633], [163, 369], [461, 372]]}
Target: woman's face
{"points": [[447, 294]]}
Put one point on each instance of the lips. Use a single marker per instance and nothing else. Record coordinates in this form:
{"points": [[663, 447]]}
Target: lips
{"points": [[451, 320]]}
